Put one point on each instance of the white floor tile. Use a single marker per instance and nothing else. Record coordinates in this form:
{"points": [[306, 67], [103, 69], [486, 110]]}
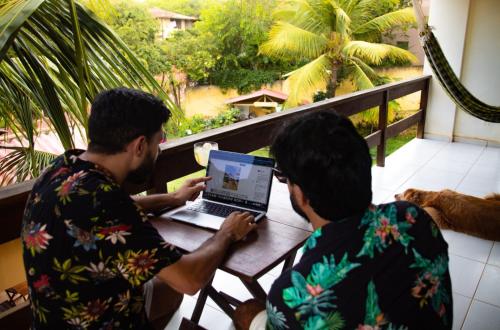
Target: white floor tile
{"points": [[485, 172], [449, 236], [210, 318], [478, 184], [454, 167], [380, 195], [494, 258], [489, 286], [490, 157], [470, 247], [460, 306], [437, 176], [482, 316], [465, 275], [391, 177]]}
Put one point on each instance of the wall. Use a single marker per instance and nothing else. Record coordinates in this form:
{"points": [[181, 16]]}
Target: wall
{"points": [[11, 264], [481, 70], [468, 33]]}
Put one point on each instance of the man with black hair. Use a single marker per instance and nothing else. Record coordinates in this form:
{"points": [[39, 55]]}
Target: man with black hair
{"points": [[365, 266], [92, 258]]}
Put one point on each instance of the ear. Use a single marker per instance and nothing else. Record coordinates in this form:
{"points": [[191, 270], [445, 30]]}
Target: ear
{"points": [[300, 198], [138, 146]]}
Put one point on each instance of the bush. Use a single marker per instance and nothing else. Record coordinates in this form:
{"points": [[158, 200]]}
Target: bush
{"points": [[199, 123], [244, 80]]}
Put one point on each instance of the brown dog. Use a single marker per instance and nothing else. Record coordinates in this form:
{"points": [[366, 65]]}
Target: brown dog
{"points": [[451, 210]]}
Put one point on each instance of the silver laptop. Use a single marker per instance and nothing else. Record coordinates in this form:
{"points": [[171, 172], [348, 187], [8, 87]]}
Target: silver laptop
{"points": [[239, 183]]}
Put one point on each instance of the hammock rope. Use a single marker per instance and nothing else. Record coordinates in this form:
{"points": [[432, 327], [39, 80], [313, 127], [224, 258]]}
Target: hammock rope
{"points": [[447, 78]]}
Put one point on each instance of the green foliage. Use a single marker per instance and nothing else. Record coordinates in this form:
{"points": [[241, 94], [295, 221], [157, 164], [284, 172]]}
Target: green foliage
{"points": [[56, 71], [187, 51], [198, 123], [335, 37], [137, 28], [186, 7], [244, 80], [233, 30]]}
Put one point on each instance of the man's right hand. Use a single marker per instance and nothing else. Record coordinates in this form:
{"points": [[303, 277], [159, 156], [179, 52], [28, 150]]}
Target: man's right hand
{"points": [[237, 225]]}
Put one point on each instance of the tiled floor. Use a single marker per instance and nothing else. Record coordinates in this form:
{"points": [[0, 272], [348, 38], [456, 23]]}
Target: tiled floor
{"points": [[474, 262]]}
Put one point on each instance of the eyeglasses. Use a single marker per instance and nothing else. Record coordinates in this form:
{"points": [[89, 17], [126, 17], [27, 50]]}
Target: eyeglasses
{"points": [[279, 175]]}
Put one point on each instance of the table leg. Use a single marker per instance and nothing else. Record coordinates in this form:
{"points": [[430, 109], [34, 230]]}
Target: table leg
{"points": [[221, 301], [289, 261], [231, 300], [200, 303], [255, 289]]}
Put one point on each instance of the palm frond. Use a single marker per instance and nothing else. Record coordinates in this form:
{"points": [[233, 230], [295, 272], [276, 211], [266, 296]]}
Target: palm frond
{"points": [[342, 20], [23, 164], [359, 77], [309, 15], [41, 58], [387, 21], [376, 54], [308, 79], [290, 40]]}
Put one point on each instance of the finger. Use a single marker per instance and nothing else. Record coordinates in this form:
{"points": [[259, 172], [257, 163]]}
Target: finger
{"points": [[200, 180]]}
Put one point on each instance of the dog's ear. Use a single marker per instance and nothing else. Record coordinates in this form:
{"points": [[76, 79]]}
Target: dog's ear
{"points": [[408, 195]]}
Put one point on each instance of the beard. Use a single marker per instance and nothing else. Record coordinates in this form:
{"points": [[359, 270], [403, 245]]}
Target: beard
{"points": [[143, 173], [297, 209]]}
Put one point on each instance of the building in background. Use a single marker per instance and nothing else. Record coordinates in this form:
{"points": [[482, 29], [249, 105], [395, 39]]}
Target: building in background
{"points": [[170, 21]]}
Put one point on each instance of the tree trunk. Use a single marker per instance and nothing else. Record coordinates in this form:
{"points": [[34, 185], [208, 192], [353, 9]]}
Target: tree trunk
{"points": [[331, 86]]}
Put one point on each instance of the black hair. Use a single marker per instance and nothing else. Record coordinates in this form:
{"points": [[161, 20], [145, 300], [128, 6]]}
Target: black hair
{"points": [[326, 157], [120, 115]]}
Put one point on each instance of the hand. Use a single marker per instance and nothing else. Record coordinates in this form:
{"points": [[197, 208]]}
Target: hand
{"points": [[190, 190], [237, 225]]}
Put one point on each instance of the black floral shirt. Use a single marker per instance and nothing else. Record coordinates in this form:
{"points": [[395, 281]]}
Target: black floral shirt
{"points": [[88, 248], [387, 269]]}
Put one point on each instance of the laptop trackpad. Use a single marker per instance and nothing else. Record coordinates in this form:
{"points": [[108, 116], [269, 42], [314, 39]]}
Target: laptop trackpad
{"points": [[196, 218]]}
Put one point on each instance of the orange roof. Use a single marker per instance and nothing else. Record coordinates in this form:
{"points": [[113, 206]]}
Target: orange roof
{"points": [[263, 92]]}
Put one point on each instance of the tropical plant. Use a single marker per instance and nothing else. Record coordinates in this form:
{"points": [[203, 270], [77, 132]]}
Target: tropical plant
{"points": [[335, 38], [55, 56]]}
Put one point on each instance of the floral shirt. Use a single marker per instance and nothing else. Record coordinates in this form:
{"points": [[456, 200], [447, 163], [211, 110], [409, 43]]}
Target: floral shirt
{"points": [[87, 249], [386, 269]]}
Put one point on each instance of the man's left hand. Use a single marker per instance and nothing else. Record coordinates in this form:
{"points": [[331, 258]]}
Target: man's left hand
{"points": [[190, 190]]}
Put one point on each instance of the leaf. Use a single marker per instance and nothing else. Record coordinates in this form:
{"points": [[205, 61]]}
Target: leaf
{"points": [[372, 310]]}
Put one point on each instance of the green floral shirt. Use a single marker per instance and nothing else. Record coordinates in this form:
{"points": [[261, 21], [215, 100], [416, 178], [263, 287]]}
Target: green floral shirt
{"points": [[386, 269], [87, 249]]}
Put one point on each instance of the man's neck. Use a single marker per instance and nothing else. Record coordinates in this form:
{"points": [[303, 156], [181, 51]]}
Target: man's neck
{"points": [[115, 164]]}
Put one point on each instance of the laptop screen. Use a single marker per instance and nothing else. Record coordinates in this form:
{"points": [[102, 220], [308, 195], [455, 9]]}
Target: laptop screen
{"points": [[239, 179]]}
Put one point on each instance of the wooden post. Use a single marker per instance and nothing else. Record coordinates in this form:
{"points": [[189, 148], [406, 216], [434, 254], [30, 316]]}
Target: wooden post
{"points": [[382, 125], [424, 97]]}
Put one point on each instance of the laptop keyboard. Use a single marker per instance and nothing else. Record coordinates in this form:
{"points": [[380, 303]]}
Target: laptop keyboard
{"points": [[217, 209]]}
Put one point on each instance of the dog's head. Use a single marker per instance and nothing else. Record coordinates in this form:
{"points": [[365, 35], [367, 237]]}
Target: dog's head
{"points": [[414, 196]]}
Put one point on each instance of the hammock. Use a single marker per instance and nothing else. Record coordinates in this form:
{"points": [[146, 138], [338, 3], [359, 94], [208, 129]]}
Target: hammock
{"points": [[447, 78]]}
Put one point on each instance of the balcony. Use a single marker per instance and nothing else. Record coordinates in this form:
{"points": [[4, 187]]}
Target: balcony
{"points": [[422, 163]]}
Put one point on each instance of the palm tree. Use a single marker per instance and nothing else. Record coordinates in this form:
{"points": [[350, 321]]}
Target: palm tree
{"points": [[337, 40], [55, 56]]}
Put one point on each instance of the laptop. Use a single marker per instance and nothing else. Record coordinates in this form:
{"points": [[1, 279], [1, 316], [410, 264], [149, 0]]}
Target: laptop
{"points": [[239, 182]]}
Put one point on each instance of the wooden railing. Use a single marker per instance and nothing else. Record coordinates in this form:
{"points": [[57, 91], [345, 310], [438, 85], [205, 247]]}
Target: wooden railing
{"points": [[176, 158]]}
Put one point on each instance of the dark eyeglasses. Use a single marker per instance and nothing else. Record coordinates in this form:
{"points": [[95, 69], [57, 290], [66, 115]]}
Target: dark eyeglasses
{"points": [[279, 175]]}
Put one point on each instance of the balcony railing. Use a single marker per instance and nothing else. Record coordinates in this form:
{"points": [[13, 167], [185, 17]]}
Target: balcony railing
{"points": [[176, 158]]}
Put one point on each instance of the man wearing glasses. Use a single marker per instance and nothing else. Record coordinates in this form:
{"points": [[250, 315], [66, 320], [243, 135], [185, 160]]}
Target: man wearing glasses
{"points": [[365, 266], [92, 258]]}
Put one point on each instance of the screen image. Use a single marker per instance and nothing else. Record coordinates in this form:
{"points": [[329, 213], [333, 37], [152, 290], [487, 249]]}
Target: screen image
{"points": [[239, 179], [231, 177]]}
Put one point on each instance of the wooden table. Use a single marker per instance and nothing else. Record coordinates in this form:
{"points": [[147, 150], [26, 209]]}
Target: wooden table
{"points": [[276, 239]]}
